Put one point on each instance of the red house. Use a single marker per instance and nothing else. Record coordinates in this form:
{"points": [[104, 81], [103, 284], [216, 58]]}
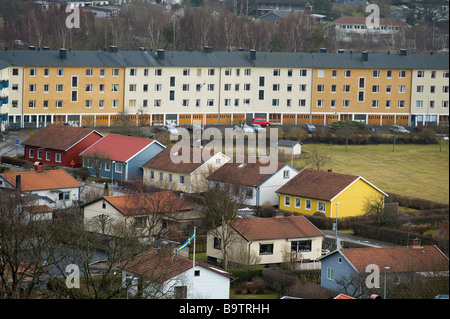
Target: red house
{"points": [[60, 144]]}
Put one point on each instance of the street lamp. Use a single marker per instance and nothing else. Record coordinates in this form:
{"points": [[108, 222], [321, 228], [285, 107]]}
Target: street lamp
{"points": [[335, 226], [112, 173], [385, 268]]}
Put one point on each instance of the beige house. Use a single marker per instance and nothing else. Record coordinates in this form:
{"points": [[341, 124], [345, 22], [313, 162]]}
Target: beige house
{"points": [[147, 214], [182, 169], [270, 242]]}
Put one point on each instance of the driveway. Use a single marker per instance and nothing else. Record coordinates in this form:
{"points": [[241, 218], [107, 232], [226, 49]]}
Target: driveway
{"points": [[12, 145]]}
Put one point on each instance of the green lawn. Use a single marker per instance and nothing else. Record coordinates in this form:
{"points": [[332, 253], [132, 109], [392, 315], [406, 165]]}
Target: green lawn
{"points": [[415, 170]]}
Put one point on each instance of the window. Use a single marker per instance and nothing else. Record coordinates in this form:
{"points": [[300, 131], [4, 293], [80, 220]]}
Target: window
{"points": [[59, 88], [266, 249], [334, 74], [157, 103], [211, 72], [420, 74], [375, 89], [115, 88], [32, 72], [172, 81], [287, 201], [347, 73], [298, 202], [88, 87], [374, 103], [303, 72], [333, 88], [89, 72], [32, 88], [74, 81], [445, 74], [217, 243], [320, 87], [401, 104], [74, 96], [388, 104], [118, 168], [276, 87], [330, 273], [248, 72], [420, 89], [376, 73], [321, 206], [45, 104], [114, 103], [346, 88], [402, 74], [185, 102], [64, 196], [102, 73], [362, 83], [320, 73], [88, 104], [419, 104], [15, 71], [181, 179], [32, 104], [196, 273], [58, 157], [301, 245], [59, 104], [186, 72], [60, 72], [132, 87], [31, 153], [302, 102], [158, 72], [261, 95], [346, 103], [211, 87], [185, 87], [115, 72], [360, 96], [275, 102], [308, 204], [388, 89], [319, 103], [389, 74], [47, 156], [262, 81], [276, 72], [286, 173], [101, 104], [302, 87], [401, 89]]}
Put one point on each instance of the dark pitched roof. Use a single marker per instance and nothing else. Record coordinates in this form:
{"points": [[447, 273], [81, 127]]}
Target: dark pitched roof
{"points": [[288, 143], [276, 228], [213, 59], [242, 171], [67, 136], [317, 184], [172, 159]]}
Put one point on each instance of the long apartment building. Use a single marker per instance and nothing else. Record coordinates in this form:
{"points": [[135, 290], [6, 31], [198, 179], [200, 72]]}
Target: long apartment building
{"points": [[104, 88]]}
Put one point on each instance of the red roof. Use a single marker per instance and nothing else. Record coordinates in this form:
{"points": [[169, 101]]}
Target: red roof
{"points": [[50, 179], [276, 228], [118, 147]]}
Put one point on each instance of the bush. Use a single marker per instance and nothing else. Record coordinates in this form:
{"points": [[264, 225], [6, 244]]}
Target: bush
{"points": [[309, 290], [278, 281], [246, 274], [16, 162]]}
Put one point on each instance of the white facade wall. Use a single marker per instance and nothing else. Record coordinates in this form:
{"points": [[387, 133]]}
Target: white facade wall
{"points": [[429, 95], [267, 190], [14, 107]]}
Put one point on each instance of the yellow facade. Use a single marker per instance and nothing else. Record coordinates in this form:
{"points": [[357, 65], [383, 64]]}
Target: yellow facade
{"points": [[73, 90], [351, 201], [361, 94]]}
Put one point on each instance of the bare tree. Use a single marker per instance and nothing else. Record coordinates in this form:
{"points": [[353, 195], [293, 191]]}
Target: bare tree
{"points": [[318, 159], [96, 160]]}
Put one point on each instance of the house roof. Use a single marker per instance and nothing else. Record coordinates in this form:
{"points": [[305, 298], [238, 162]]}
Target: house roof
{"points": [[343, 296], [318, 184], [118, 147], [179, 159], [398, 258], [67, 137], [50, 179], [242, 171], [276, 228], [158, 265], [144, 204], [288, 143], [362, 21]]}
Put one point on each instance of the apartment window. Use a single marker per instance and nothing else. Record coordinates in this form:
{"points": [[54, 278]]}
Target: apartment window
{"points": [[334, 74], [157, 103], [402, 74], [275, 102], [360, 96], [303, 72], [236, 102], [131, 103], [321, 206], [211, 87], [88, 87], [59, 88], [185, 102], [115, 72], [420, 73], [15, 71], [445, 89], [115, 88], [45, 104], [145, 87], [101, 104], [302, 87], [45, 88], [15, 87], [246, 102], [276, 87], [432, 89], [420, 89], [375, 89], [74, 96], [185, 87], [347, 73], [89, 72], [211, 72], [389, 74], [186, 72], [102, 73], [171, 95], [333, 104], [320, 87], [261, 95], [319, 103], [302, 102], [145, 72], [32, 72], [333, 88], [266, 249], [74, 81], [59, 104], [197, 103], [433, 74], [210, 102], [133, 72], [276, 72], [288, 103], [238, 72], [419, 104], [444, 104], [388, 89], [374, 103], [158, 87], [60, 72], [346, 88], [320, 73], [247, 87], [401, 104], [388, 104], [262, 81], [401, 89], [115, 103], [32, 87], [445, 74], [158, 72], [361, 83], [431, 104], [172, 81], [376, 73], [346, 103], [248, 72], [32, 104]]}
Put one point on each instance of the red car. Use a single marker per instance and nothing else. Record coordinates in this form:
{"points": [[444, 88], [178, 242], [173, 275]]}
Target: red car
{"points": [[261, 121]]}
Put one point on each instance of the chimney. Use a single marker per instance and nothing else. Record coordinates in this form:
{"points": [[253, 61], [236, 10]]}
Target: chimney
{"points": [[160, 54], [365, 56], [38, 166], [18, 183], [323, 50], [113, 48], [253, 55], [62, 54], [415, 243], [403, 52]]}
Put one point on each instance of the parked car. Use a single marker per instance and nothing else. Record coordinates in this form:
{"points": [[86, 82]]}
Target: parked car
{"points": [[398, 129], [309, 127], [261, 121], [244, 129], [172, 129], [257, 128]]}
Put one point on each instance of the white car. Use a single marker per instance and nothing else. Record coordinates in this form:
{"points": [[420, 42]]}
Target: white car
{"points": [[172, 129], [257, 128], [244, 129]]}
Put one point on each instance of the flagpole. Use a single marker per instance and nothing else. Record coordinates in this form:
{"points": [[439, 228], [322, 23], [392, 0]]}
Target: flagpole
{"points": [[193, 260]]}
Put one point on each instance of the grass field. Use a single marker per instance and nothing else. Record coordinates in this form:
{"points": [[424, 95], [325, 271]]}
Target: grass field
{"points": [[414, 170]]}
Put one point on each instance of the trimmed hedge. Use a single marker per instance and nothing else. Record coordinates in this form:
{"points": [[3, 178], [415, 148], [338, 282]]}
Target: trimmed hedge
{"points": [[16, 161]]}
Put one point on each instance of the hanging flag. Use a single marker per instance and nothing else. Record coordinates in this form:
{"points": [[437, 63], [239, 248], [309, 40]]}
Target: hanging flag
{"points": [[186, 243]]}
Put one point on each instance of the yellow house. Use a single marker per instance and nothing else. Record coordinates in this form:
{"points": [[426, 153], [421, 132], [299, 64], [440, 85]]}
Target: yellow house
{"points": [[312, 191]]}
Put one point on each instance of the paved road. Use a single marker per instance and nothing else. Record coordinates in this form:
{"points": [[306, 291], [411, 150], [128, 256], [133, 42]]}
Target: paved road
{"points": [[331, 234], [11, 146]]}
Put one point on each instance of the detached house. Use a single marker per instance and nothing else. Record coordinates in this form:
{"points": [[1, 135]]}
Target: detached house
{"points": [[183, 169], [52, 189], [269, 242], [245, 179], [120, 157], [148, 214], [348, 268], [312, 191], [60, 144], [157, 274]]}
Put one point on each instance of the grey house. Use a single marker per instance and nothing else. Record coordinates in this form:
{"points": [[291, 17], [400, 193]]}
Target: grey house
{"points": [[120, 157]]}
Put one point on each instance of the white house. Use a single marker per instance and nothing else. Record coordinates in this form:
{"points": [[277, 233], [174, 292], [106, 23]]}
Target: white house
{"points": [[244, 179], [269, 241], [157, 274]]}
